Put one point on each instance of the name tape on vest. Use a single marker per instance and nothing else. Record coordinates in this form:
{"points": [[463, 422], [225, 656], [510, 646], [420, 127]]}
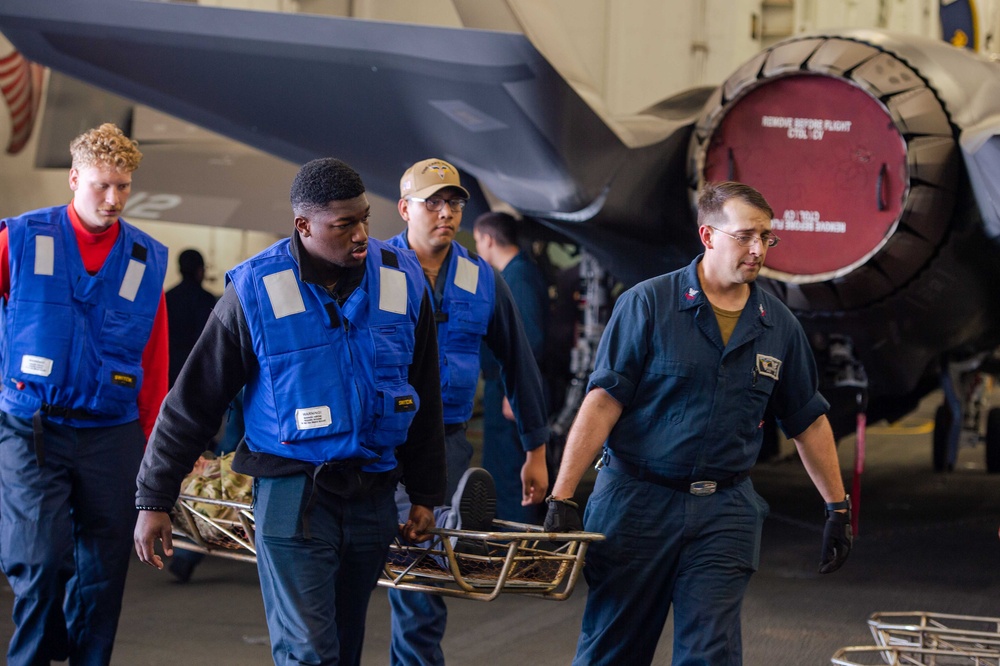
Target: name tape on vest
{"points": [[123, 379], [405, 404]]}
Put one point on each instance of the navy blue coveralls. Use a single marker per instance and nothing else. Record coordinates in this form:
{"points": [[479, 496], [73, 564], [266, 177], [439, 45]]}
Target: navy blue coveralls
{"points": [[693, 410], [503, 450], [70, 438], [486, 315]]}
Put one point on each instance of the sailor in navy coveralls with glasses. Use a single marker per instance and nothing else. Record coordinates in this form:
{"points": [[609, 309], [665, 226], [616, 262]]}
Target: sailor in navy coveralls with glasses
{"points": [[684, 372]]}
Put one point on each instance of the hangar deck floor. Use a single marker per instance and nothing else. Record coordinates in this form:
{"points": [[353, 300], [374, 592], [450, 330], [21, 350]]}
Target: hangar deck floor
{"points": [[928, 542]]}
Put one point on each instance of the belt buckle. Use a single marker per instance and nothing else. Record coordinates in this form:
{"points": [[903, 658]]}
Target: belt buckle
{"points": [[703, 488]]}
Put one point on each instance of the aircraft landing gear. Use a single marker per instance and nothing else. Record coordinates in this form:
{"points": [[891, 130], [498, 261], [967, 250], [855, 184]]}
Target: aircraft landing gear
{"points": [[595, 304], [959, 422], [849, 373]]}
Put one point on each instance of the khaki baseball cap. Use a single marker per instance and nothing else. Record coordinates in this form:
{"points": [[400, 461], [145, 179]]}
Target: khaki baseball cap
{"points": [[428, 177]]}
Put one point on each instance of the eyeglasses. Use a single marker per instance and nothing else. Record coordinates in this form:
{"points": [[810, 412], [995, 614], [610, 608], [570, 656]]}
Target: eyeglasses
{"points": [[768, 239], [434, 204]]}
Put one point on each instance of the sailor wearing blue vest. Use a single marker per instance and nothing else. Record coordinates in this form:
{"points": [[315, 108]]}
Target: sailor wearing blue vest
{"points": [[84, 373], [333, 337], [684, 371], [472, 306]]}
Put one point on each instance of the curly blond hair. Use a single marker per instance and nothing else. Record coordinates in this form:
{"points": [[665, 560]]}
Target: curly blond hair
{"points": [[105, 146]]}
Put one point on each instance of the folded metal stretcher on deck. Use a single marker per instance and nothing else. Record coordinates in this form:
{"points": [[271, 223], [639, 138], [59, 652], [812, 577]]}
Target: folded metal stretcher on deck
{"points": [[515, 558]]}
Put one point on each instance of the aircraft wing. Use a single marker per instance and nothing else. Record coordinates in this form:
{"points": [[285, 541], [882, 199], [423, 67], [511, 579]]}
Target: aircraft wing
{"points": [[878, 152], [378, 95]]}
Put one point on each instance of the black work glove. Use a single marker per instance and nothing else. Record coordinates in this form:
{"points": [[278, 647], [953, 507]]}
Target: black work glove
{"points": [[837, 539], [562, 516]]}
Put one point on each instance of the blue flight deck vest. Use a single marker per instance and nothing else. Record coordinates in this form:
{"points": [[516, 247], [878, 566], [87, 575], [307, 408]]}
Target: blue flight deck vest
{"points": [[333, 381], [74, 340], [462, 319]]}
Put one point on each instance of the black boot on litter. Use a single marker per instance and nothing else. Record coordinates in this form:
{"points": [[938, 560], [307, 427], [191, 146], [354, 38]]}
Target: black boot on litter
{"points": [[475, 500]]}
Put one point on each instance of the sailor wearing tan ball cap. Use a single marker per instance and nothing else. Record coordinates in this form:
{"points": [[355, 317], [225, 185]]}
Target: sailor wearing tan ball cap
{"points": [[472, 305]]}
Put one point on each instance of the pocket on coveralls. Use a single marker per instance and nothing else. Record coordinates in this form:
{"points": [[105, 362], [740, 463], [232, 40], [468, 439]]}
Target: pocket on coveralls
{"points": [[277, 505]]}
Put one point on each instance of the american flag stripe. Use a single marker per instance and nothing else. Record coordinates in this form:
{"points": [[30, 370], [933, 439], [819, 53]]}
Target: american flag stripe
{"points": [[20, 83]]}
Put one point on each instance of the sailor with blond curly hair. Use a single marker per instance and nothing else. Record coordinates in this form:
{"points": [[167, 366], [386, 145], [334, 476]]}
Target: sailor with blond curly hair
{"points": [[84, 369]]}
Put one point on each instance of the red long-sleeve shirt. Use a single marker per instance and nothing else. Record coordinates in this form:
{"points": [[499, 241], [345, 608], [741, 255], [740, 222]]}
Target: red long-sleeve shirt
{"points": [[94, 248]]}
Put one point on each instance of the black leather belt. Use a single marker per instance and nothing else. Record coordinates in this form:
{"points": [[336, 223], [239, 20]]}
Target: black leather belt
{"points": [[700, 487], [66, 412], [38, 430], [452, 428]]}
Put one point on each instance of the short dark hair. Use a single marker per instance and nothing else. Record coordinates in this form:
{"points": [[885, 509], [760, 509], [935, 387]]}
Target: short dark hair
{"points": [[500, 226], [715, 195], [323, 180], [190, 262]]}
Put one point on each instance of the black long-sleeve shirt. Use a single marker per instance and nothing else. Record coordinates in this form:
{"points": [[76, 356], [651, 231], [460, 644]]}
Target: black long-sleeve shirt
{"points": [[221, 363]]}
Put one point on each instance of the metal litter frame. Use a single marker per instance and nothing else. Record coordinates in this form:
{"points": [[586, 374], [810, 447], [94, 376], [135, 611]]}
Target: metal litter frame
{"points": [[919, 637], [232, 539], [515, 558], [911, 656], [940, 631]]}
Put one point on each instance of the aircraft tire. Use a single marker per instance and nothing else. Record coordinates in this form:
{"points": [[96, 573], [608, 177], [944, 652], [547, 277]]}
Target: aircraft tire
{"points": [[993, 441], [942, 424]]}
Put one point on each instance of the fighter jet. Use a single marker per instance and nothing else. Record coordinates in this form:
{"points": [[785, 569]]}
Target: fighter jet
{"points": [[876, 151]]}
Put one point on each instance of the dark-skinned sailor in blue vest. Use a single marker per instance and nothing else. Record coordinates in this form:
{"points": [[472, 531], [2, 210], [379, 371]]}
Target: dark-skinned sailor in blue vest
{"points": [[473, 306], [333, 337]]}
